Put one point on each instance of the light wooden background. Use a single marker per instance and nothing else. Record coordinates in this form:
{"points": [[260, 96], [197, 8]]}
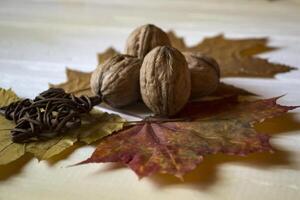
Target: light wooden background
{"points": [[39, 38]]}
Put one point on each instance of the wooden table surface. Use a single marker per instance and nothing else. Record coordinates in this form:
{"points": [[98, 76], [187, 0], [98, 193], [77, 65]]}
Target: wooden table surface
{"points": [[39, 38]]}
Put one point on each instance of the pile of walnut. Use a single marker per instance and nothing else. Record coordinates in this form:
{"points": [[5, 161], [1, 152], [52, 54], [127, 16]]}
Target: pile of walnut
{"points": [[153, 70]]}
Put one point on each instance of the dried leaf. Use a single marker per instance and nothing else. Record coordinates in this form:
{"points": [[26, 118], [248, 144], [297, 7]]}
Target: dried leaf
{"points": [[178, 147], [95, 126], [7, 96], [78, 83], [226, 90], [235, 56], [8, 151], [108, 53]]}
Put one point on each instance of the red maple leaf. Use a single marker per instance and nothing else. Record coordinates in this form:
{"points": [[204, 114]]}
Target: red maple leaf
{"points": [[177, 147]]}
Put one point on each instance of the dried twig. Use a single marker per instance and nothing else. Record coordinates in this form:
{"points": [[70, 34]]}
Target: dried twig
{"points": [[49, 114]]}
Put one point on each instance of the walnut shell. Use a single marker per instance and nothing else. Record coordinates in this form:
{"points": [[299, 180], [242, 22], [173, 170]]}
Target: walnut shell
{"points": [[144, 38], [165, 81], [117, 80], [205, 74]]}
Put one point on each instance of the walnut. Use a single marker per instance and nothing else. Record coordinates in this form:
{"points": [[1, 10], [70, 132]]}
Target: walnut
{"points": [[165, 81], [117, 80], [143, 39], [205, 74]]}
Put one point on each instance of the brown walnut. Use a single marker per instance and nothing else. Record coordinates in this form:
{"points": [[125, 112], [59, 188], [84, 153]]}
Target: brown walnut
{"points": [[165, 81], [143, 39], [205, 74], [117, 80]]}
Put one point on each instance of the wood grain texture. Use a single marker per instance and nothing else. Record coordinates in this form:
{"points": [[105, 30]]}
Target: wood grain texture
{"points": [[40, 38]]}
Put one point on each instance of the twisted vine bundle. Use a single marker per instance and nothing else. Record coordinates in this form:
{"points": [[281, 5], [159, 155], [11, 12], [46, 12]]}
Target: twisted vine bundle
{"points": [[51, 113]]}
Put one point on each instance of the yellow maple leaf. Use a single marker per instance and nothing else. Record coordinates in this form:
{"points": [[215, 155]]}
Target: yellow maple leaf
{"points": [[236, 57], [95, 126]]}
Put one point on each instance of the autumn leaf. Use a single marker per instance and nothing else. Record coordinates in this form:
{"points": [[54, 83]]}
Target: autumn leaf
{"points": [[235, 56], [7, 96], [9, 151], [108, 53], [226, 90], [78, 83], [95, 126], [178, 147]]}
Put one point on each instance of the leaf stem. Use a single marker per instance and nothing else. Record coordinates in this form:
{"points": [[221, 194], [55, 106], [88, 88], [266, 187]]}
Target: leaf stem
{"points": [[121, 111], [157, 120]]}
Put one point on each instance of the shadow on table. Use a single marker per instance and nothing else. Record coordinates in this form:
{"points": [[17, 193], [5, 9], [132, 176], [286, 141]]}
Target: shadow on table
{"points": [[13, 168], [206, 174]]}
